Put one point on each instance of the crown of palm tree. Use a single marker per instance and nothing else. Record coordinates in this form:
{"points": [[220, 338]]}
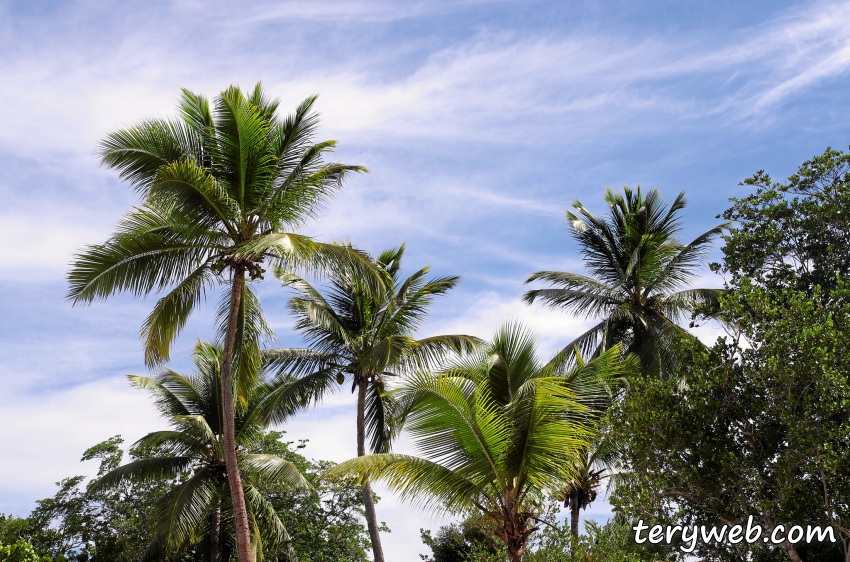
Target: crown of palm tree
{"points": [[221, 186], [192, 452], [497, 432], [357, 334], [639, 270]]}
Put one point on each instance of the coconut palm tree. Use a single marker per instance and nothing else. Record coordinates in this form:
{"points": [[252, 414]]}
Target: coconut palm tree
{"points": [[498, 433], [221, 189], [364, 337], [593, 466], [639, 272], [192, 452]]}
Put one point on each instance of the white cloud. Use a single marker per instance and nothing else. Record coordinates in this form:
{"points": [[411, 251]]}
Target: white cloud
{"points": [[494, 87], [46, 434], [42, 252]]}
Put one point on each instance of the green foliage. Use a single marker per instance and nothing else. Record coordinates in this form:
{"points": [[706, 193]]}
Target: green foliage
{"points": [[21, 551], [466, 541], [498, 431], [792, 234], [16, 529], [638, 273], [759, 429]]}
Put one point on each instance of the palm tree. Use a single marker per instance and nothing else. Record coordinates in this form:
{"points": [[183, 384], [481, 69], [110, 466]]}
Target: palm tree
{"points": [[365, 337], [192, 452], [496, 432], [593, 466], [638, 271], [220, 188]]}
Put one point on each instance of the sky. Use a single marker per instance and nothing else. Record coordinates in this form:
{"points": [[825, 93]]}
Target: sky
{"points": [[480, 122]]}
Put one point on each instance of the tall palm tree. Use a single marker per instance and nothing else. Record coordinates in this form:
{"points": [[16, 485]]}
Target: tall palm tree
{"points": [[192, 451], [638, 274], [365, 337], [498, 433], [220, 187]]}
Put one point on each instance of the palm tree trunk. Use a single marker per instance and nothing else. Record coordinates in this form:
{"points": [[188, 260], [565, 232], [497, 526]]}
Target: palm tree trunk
{"points": [[574, 514], [215, 532], [240, 513], [515, 553], [368, 500]]}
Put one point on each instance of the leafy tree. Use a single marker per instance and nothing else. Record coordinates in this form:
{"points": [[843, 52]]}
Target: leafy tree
{"points": [[220, 189], [15, 530], [325, 522], [462, 542], [196, 509], [760, 428], [21, 551], [365, 337], [87, 525], [638, 271], [793, 233], [496, 432]]}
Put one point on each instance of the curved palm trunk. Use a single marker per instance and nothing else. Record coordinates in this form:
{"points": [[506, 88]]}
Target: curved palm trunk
{"points": [[368, 500], [240, 513]]}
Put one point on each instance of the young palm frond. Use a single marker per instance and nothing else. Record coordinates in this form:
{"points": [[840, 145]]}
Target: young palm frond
{"points": [[497, 433], [638, 273]]}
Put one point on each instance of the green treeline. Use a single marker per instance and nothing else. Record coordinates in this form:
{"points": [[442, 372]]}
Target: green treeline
{"points": [[677, 432]]}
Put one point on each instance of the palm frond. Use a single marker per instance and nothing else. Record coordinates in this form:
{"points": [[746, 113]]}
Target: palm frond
{"points": [[288, 395], [145, 255], [421, 482], [142, 470], [271, 469], [185, 508], [171, 313]]}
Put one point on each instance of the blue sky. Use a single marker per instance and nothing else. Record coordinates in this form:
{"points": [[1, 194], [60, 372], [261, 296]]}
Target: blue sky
{"points": [[480, 122]]}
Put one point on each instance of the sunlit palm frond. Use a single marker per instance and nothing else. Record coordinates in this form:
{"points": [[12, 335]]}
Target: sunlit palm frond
{"points": [[418, 481], [146, 255], [271, 469]]}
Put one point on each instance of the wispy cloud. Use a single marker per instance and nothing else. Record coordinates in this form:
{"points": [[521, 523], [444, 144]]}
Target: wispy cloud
{"points": [[497, 86]]}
